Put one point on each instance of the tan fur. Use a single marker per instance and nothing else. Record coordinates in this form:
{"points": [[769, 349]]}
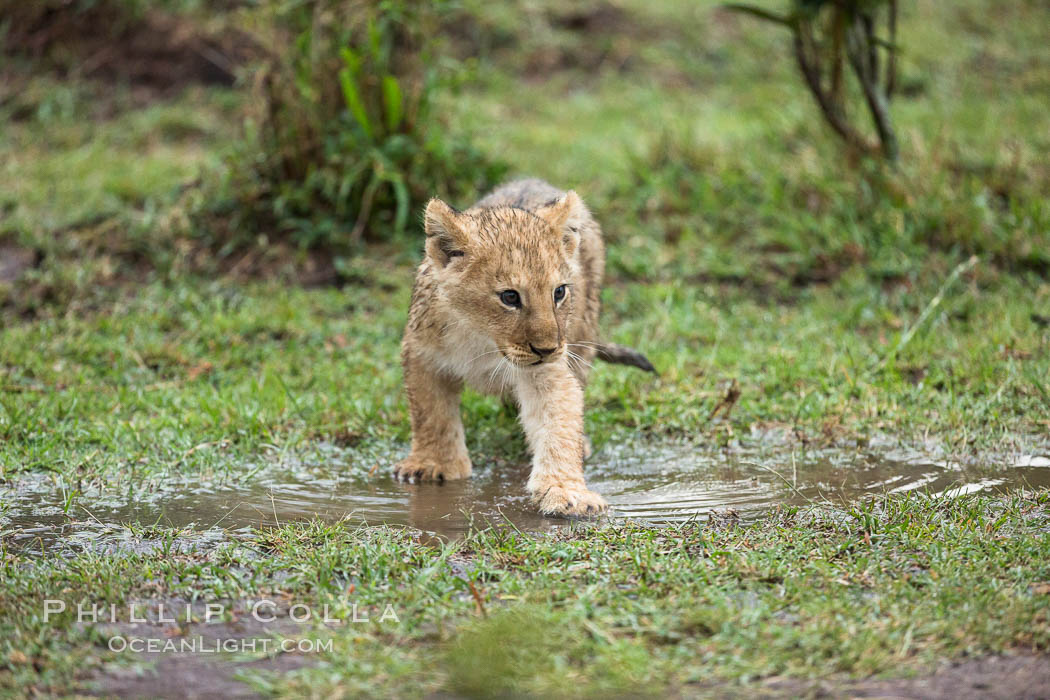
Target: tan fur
{"points": [[529, 237]]}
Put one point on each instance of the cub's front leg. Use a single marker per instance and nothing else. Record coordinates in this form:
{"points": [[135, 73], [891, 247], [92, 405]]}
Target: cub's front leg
{"points": [[551, 401], [439, 450]]}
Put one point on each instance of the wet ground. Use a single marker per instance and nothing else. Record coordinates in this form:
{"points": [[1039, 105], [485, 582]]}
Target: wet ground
{"points": [[653, 483], [983, 678], [202, 675]]}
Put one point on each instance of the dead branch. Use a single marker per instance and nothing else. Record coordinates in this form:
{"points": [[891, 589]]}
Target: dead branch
{"points": [[859, 42]]}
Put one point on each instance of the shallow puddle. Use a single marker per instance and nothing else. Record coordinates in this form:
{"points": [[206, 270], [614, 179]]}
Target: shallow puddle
{"points": [[660, 484]]}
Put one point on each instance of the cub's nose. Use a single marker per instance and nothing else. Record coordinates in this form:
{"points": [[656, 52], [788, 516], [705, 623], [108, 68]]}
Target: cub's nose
{"points": [[542, 352]]}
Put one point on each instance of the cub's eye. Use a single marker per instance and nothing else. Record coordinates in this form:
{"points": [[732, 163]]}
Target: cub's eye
{"points": [[510, 298], [559, 293]]}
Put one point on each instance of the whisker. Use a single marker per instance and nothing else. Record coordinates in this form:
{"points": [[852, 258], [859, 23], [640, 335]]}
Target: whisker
{"points": [[476, 357], [572, 361], [572, 355], [506, 368], [572, 364]]}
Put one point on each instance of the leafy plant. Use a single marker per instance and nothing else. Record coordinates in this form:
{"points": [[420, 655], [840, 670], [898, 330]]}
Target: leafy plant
{"points": [[346, 143], [828, 36]]}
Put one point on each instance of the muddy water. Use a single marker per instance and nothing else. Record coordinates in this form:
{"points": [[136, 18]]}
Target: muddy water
{"points": [[665, 483]]}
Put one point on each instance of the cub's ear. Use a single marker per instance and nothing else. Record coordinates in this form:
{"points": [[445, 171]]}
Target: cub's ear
{"points": [[446, 233], [566, 215]]}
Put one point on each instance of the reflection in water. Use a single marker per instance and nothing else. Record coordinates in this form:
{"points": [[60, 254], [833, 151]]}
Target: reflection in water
{"points": [[660, 484]]}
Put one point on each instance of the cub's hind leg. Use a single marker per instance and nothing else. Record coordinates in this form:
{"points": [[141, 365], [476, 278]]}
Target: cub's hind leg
{"points": [[439, 449]]}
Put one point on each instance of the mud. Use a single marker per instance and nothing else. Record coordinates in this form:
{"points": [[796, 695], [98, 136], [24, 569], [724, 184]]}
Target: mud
{"points": [[14, 260], [985, 678], [207, 674], [175, 676], [991, 678], [661, 483], [155, 51], [210, 670]]}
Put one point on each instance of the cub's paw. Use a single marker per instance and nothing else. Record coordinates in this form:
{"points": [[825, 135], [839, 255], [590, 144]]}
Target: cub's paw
{"points": [[415, 469], [570, 502]]}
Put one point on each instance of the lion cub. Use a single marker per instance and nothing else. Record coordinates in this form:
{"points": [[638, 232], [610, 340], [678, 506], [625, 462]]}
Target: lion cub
{"points": [[506, 300]]}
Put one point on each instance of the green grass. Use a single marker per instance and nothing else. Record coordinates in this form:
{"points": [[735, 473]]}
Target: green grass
{"points": [[884, 587], [245, 366], [743, 245]]}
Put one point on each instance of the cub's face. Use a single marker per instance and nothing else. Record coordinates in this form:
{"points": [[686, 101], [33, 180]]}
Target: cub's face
{"points": [[510, 274]]}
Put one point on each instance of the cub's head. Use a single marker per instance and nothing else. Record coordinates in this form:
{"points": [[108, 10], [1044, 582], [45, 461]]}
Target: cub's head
{"points": [[510, 274]]}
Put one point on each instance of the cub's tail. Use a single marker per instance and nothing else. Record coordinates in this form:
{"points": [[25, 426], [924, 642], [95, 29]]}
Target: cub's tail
{"points": [[621, 355]]}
